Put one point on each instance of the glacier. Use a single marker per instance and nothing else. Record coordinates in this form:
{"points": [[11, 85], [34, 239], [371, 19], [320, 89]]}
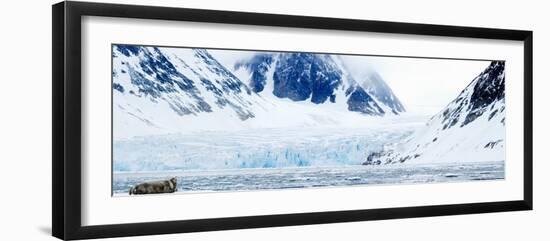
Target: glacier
{"points": [[315, 145]]}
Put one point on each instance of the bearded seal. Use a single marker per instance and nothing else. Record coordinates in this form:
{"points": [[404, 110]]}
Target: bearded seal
{"points": [[165, 186]]}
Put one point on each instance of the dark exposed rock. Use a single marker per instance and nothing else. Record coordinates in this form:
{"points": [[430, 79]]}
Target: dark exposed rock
{"points": [[360, 101], [492, 144], [317, 78], [487, 88], [374, 158], [299, 76], [258, 66]]}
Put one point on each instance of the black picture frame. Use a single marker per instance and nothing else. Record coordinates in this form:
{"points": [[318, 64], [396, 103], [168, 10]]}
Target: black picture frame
{"points": [[66, 128]]}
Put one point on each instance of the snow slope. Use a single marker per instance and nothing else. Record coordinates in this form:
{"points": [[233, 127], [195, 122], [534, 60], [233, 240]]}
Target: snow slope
{"points": [[159, 90], [377, 87], [470, 129]]}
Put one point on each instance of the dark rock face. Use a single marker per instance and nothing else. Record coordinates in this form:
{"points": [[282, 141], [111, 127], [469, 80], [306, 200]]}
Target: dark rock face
{"points": [[299, 76], [128, 50], [374, 158], [316, 78], [487, 88], [490, 88], [258, 66], [360, 101]]}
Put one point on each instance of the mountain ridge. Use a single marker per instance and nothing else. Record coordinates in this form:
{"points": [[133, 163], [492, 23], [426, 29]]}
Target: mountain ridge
{"points": [[159, 90], [473, 123], [318, 78]]}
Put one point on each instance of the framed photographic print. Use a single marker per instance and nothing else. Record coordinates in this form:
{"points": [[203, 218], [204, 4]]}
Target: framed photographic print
{"points": [[170, 120]]}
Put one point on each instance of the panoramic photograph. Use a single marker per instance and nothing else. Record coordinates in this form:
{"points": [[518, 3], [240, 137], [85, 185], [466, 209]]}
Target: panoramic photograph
{"points": [[187, 120]]}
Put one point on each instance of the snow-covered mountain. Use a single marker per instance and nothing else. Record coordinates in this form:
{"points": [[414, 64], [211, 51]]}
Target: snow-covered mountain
{"points": [[317, 78], [470, 128], [160, 90], [377, 87], [155, 89]]}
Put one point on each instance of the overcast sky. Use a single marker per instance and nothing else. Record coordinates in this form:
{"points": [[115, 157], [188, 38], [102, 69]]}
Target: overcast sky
{"points": [[423, 85]]}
